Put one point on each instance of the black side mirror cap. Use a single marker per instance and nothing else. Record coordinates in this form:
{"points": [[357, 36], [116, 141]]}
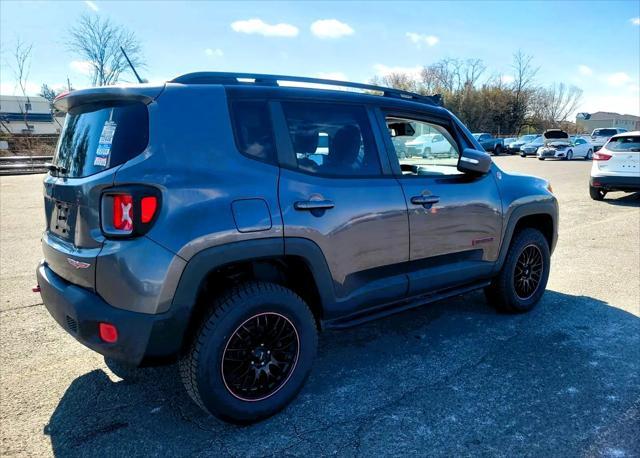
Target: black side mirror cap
{"points": [[474, 161]]}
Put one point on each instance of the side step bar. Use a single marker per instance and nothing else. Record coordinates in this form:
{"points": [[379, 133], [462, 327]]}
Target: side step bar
{"points": [[384, 310]]}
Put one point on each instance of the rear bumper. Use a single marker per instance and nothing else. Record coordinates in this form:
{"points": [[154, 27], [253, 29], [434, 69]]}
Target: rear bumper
{"points": [[616, 183], [142, 338]]}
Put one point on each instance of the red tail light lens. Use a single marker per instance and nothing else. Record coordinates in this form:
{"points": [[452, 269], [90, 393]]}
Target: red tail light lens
{"points": [[149, 205], [123, 212], [600, 156]]}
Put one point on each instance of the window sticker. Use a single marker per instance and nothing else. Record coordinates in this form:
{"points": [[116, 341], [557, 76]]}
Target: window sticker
{"points": [[104, 146]]}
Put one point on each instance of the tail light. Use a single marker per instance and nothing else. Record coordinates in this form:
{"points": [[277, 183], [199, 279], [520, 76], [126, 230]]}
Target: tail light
{"points": [[129, 211], [600, 156]]}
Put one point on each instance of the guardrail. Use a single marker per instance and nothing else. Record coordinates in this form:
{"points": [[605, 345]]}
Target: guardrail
{"points": [[23, 165]]}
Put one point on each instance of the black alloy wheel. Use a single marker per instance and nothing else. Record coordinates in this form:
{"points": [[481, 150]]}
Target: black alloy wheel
{"points": [[528, 272], [260, 356]]}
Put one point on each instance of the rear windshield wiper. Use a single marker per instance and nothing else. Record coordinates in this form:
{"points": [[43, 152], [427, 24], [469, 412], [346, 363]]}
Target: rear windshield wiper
{"points": [[55, 168]]}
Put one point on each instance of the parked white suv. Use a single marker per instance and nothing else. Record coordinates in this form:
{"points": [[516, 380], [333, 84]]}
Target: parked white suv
{"points": [[600, 136], [616, 166]]}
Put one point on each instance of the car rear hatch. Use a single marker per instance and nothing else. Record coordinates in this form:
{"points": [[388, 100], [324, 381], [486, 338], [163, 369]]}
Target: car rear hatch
{"points": [[625, 155], [104, 128]]}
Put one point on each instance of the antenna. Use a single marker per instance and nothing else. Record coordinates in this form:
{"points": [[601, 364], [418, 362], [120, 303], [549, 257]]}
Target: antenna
{"points": [[131, 65]]}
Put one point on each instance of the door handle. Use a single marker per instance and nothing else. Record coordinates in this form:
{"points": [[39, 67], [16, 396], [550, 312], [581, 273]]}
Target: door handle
{"points": [[425, 200], [314, 205]]}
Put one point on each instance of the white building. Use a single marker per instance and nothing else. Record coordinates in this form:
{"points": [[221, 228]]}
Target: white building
{"points": [[22, 115]]}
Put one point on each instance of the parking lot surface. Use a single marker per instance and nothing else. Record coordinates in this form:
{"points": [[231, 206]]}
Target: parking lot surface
{"points": [[451, 378]]}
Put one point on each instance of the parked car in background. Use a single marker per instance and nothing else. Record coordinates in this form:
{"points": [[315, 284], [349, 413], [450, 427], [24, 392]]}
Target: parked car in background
{"points": [[601, 136], [514, 146], [428, 146], [616, 166], [582, 147], [507, 141], [557, 145], [490, 143], [531, 148]]}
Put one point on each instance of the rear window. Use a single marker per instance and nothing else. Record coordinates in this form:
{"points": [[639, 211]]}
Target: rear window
{"points": [[96, 137], [604, 132], [252, 128], [626, 143]]}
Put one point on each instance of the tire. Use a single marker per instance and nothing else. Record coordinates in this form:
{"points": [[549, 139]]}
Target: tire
{"points": [[522, 155], [541, 159], [597, 193], [426, 153], [506, 291], [497, 150], [569, 155], [207, 368], [589, 155]]}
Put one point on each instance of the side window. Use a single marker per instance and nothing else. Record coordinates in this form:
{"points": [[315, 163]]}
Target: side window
{"points": [[332, 140], [252, 129], [485, 137], [422, 148]]}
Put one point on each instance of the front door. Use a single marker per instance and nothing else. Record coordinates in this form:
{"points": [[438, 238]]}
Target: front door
{"points": [[454, 219], [336, 194]]}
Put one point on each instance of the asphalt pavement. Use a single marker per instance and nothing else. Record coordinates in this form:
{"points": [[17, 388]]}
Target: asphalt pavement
{"points": [[451, 378]]}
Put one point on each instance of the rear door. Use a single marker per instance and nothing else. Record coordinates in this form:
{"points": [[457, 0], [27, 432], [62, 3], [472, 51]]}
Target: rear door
{"points": [[95, 139], [454, 219], [625, 155], [336, 192]]}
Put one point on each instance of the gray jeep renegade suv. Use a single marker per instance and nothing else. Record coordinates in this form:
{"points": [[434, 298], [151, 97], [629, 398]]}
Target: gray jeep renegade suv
{"points": [[222, 219]]}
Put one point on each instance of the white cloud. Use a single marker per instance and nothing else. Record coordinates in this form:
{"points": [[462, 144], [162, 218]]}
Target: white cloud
{"points": [[584, 70], [384, 70], [258, 26], [91, 5], [635, 20], [214, 52], [81, 66], [330, 28], [618, 79], [420, 39], [337, 76], [507, 79]]}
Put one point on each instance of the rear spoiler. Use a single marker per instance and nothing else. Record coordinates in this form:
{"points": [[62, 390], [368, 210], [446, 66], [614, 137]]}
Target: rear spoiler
{"points": [[138, 93]]}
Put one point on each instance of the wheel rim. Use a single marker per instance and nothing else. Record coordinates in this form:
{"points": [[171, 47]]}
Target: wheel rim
{"points": [[528, 272], [260, 356]]}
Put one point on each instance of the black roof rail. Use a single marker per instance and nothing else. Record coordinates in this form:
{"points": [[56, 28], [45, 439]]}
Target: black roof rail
{"points": [[273, 80]]}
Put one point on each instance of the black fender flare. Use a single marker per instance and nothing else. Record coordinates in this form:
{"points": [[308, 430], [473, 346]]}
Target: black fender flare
{"points": [[548, 207], [168, 333]]}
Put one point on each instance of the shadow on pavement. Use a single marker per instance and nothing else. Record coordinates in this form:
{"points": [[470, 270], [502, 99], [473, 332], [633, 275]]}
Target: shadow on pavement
{"points": [[627, 200], [447, 379]]}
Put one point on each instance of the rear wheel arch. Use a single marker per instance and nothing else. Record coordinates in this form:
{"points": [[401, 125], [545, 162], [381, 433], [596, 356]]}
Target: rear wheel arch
{"points": [[215, 270]]}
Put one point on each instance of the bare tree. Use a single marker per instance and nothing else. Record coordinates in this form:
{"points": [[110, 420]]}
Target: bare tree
{"points": [[98, 41], [559, 101]]}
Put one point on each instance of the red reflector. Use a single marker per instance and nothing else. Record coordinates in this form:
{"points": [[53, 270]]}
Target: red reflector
{"points": [[123, 212], [149, 206], [108, 332]]}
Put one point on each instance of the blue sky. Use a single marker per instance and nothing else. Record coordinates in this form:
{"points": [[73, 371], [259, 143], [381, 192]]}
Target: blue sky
{"points": [[594, 45]]}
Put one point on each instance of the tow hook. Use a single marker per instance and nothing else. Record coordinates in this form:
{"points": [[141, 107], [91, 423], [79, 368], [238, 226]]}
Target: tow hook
{"points": [[36, 289]]}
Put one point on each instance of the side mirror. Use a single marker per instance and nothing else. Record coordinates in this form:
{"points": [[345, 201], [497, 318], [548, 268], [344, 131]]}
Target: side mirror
{"points": [[474, 162]]}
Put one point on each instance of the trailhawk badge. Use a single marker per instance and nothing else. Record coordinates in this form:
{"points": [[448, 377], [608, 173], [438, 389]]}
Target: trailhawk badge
{"points": [[78, 264]]}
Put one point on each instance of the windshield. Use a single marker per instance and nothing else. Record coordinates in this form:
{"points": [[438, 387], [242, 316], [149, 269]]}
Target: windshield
{"points": [[100, 136], [604, 133], [526, 138], [626, 143]]}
